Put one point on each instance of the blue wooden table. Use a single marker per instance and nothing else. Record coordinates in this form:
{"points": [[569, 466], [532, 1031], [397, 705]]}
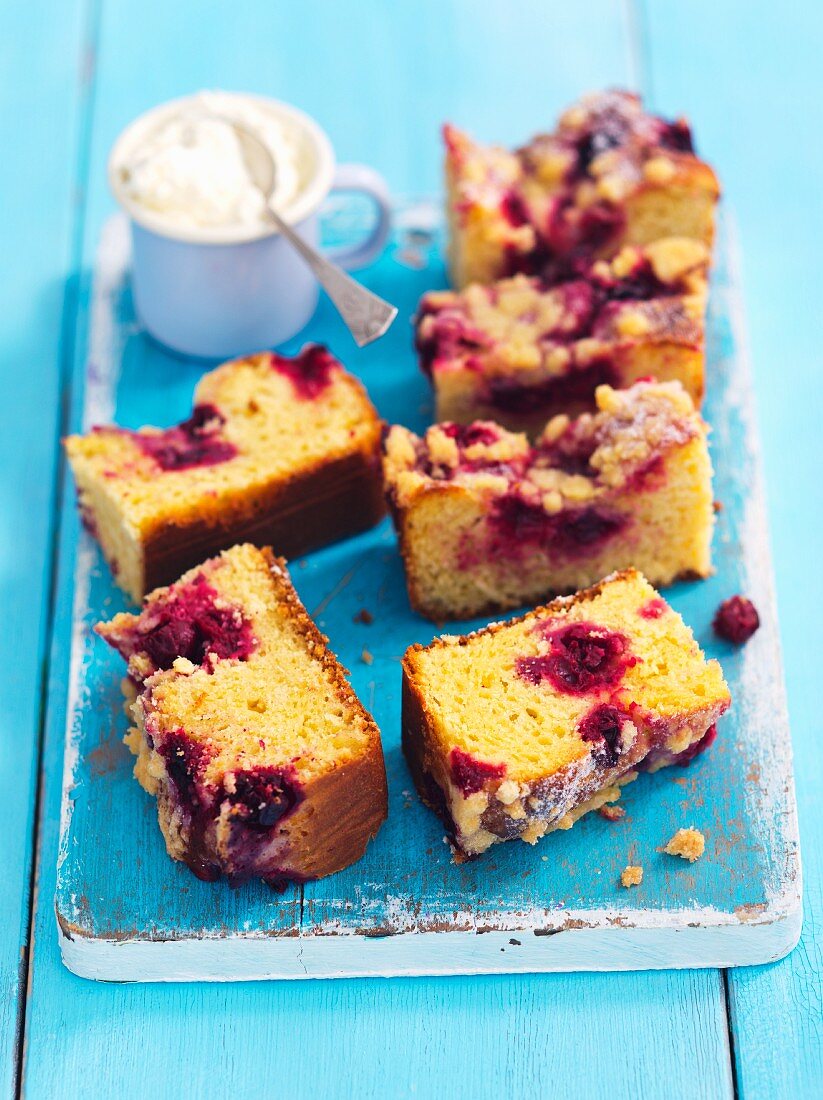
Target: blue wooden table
{"points": [[381, 78]]}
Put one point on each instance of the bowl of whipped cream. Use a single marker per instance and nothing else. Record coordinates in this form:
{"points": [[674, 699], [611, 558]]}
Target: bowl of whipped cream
{"points": [[211, 275]]}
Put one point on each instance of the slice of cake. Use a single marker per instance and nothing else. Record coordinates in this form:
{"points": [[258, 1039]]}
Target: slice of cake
{"points": [[487, 521], [521, 728], [262, 759], [610, 175], [520, 351], [281, 451]]}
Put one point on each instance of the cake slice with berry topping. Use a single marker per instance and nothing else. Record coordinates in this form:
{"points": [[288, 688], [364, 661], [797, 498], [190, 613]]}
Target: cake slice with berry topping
{"points": [[609, 175], [488, 521], [278, 450], [520, 351], [521, 728], [262, 759]]}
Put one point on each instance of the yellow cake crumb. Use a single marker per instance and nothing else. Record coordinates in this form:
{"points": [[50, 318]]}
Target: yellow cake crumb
{"points": [[631, 876], [687, 843]]}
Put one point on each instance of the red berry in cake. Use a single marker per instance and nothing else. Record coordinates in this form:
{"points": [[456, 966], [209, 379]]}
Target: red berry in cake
{"points": [[736, 620], [186, 761], [195, 442], [469, 775], [310, 372], [582, 657], [193, 623], [653, 609], [603, 725]]}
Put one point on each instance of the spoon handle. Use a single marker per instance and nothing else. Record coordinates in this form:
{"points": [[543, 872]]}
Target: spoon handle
{"points": [[367, 316]]}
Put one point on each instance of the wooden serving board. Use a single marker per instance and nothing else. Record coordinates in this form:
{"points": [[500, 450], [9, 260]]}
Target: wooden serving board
{"points": [[126, 912]]}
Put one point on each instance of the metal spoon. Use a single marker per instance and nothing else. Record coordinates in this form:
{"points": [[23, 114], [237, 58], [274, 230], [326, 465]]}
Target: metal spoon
{"points": [[367, 316]]}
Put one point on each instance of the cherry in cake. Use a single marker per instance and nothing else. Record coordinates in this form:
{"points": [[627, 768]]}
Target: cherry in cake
{"points": [[523, 727], [276, 450], [263, 761], [608, 176], [521, 350], [487, 521]]}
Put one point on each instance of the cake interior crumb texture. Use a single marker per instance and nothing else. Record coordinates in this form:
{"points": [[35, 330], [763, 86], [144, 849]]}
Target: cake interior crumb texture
{"points": [[522, 727], [277, 449], [263, 761]]}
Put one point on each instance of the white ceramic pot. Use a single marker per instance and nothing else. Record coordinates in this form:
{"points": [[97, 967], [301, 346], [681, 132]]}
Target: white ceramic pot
{"points": [[214, 292]]}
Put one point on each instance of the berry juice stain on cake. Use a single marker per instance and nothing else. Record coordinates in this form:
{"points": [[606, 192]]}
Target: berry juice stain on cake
{"points": [[186, 761], [310, 372], [736, 620], [195, 442], [652, 609], [470, 775], [582, 658], [516, 524], [511, 396], [697, 747]]}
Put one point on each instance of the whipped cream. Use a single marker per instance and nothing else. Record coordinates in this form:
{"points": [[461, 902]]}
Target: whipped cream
{"points": [[189, 170]]}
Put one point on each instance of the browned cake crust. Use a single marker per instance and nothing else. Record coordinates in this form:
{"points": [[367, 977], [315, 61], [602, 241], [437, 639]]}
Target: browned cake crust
{"points": [[338, 799], [343, 809], [330, 502]]}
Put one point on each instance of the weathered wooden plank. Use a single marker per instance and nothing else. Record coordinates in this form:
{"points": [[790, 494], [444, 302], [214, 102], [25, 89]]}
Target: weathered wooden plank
{"points": [[39, 94], [751, 85], [406, 908], [412, 68]]}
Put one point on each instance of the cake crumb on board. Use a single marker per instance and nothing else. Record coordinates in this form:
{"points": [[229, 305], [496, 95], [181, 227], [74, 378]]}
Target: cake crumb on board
{"points": [[612, 813], [631, 876], [687, 843]]}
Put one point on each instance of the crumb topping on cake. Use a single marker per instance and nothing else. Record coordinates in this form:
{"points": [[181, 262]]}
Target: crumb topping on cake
{"points": [[687, 843], [554, 486], [522, 326]]}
